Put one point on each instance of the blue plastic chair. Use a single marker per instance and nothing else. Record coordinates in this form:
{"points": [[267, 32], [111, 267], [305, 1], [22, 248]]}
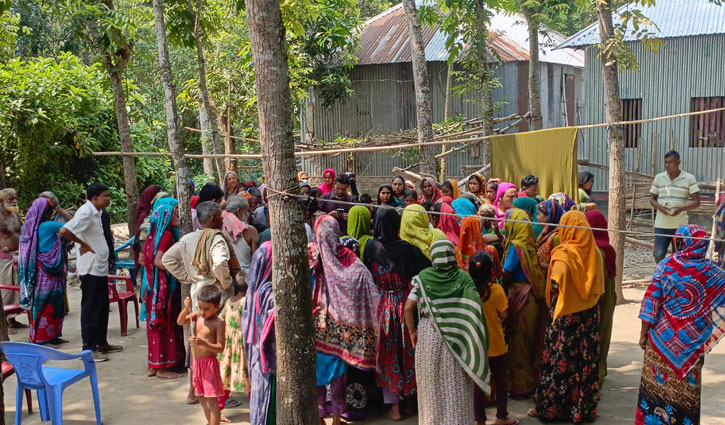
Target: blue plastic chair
{"points": [[125, 264], [50, 382]]}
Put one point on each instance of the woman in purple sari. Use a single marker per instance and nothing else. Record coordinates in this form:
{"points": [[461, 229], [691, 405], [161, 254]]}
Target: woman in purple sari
{"points": [[42, 273]]}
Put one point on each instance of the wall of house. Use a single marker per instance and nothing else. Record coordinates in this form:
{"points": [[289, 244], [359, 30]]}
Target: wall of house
{"points": [[687, 67], [384, 103]]}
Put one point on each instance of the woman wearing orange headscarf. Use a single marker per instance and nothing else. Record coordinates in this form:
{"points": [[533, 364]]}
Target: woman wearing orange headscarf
{"points": [[569, 384], [472, 242]]}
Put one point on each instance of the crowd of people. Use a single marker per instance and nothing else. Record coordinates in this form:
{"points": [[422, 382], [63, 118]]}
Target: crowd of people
{"points": [[459, 297]]}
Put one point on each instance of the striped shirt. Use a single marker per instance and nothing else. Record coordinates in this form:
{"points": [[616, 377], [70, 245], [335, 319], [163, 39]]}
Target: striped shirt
{"points": [[673, 194]]}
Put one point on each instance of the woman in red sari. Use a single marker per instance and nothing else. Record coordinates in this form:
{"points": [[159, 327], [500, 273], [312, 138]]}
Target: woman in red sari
{"points": [[165, 339]]}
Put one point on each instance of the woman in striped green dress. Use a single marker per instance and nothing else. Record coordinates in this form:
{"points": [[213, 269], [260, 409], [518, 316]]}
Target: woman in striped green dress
{"points": [[451, 340]]}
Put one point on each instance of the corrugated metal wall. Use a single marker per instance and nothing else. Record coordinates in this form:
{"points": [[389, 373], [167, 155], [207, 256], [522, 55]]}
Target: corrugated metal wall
{"points": [[687, 67], [384, 103]]}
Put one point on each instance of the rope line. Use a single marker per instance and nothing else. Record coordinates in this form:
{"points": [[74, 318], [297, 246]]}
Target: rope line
{"points": [[400, 210]]}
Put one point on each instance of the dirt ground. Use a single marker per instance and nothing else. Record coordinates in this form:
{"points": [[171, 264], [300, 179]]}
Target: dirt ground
{"points": [[129, 397]]}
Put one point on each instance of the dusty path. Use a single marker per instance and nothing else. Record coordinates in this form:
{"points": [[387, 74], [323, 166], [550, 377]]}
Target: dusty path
{"points": [[129, 397]]}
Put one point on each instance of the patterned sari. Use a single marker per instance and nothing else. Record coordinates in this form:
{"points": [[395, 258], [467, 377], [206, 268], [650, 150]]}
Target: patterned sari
{"points": [[525, 324], [42, 275], [549, 237], [345, 300], [472, 242], [685, 309]]}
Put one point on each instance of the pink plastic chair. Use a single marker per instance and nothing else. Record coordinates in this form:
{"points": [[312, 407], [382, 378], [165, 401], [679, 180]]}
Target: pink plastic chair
{"points": [[122, 299]]}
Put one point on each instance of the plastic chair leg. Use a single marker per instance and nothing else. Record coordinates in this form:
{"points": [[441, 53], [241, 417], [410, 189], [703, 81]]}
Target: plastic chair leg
{"points": [[96, 400], [43, 406], [18, 404], [29, 399], [55, 398]]}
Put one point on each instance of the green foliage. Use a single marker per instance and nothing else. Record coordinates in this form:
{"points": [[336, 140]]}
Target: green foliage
{"points": [[8, 34], [53, 114], [370, 8], [630, 19]]}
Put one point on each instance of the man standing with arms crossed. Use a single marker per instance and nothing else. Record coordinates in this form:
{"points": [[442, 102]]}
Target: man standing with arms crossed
{"points": [[92, 266], [674, 192]]}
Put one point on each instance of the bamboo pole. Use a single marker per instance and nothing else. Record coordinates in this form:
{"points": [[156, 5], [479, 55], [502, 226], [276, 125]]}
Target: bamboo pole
{"points": [[652, 172], [711, 246]]}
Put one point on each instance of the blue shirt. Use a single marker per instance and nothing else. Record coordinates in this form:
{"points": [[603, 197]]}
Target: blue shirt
{"points": [[513, 266], [47, 232]]}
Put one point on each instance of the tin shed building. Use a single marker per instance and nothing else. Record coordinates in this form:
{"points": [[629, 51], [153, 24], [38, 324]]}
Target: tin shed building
{"points": [[686, 75]]}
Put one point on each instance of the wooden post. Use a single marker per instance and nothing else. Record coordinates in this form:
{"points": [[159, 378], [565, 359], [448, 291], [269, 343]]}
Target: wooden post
{"points": [[711, 247], [631, 211], [672, 139], [652, 171]]}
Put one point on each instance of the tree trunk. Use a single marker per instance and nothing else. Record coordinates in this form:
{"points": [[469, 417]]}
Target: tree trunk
{"points": [[484, 74], [210, 112], [229, 146], [447, 113], [423, 107], [208, 163], [617, 197], [183, 187], [536, 122], [296, 384], [114, 66]]}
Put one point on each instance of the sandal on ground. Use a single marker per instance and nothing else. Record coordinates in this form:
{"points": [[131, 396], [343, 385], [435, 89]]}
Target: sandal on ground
{"points": [[231, 403], [532, 413]]}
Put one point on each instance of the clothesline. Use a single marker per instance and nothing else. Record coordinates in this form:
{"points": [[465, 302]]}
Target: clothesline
{"points": [[406, 145], [400, 210]]}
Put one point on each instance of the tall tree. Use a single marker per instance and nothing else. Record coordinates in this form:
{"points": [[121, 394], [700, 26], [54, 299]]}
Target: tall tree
{"points": [[484, 76], [424, 111], [296, 401], [617, 201], [528, 9], [183, 188], [211, 112]]}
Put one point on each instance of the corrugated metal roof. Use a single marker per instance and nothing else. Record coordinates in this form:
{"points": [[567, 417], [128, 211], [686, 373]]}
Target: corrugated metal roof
{"points": [[673, 18], [384, 39]]}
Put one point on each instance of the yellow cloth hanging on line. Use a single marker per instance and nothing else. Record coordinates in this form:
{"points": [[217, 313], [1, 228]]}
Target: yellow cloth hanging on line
{"points": [[550, 155]]}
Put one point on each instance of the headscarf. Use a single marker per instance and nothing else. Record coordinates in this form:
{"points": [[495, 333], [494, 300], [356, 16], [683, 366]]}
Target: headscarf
{"points": [[464, 207], [584, 177], [601, 237], [173, 203], [580, 281], [448, 224], [436, 192], [502, 188], [260, 217], [226, 190], [456, 190], [684, 305], [450, 299], [415, 229], [392, 197], [481, 194], [529, 205], [472, 242], [30, 256], [564, 200], [352, 244], [446, 200], [145, 206], [159, 311], [324, 187], [397, 251], [145, 203], [358, 226], [345, 300], [545, 240], [472, 199], [232, 225], [521, 237]]}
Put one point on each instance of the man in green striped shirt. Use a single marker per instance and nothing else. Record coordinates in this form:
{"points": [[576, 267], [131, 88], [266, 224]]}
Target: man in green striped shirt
{"points": [[674, 192]]}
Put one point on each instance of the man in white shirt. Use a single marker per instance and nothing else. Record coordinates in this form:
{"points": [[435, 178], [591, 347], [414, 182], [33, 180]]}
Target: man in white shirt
{"points": [[92, 266]]}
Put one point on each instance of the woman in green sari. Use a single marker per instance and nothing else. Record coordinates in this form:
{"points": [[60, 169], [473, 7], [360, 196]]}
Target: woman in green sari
{"points": [[524, 282], [451, 339]]}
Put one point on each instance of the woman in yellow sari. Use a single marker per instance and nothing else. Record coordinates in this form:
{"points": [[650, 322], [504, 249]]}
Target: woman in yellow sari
{"points": [[415, 229], [568, 388], [524, 282]]}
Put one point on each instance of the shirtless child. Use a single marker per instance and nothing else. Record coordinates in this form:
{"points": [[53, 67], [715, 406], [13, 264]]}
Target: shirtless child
{"points": [[207, 340]]}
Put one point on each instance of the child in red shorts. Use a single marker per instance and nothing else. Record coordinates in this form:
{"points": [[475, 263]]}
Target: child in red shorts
{"points": [[207, 341]]}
